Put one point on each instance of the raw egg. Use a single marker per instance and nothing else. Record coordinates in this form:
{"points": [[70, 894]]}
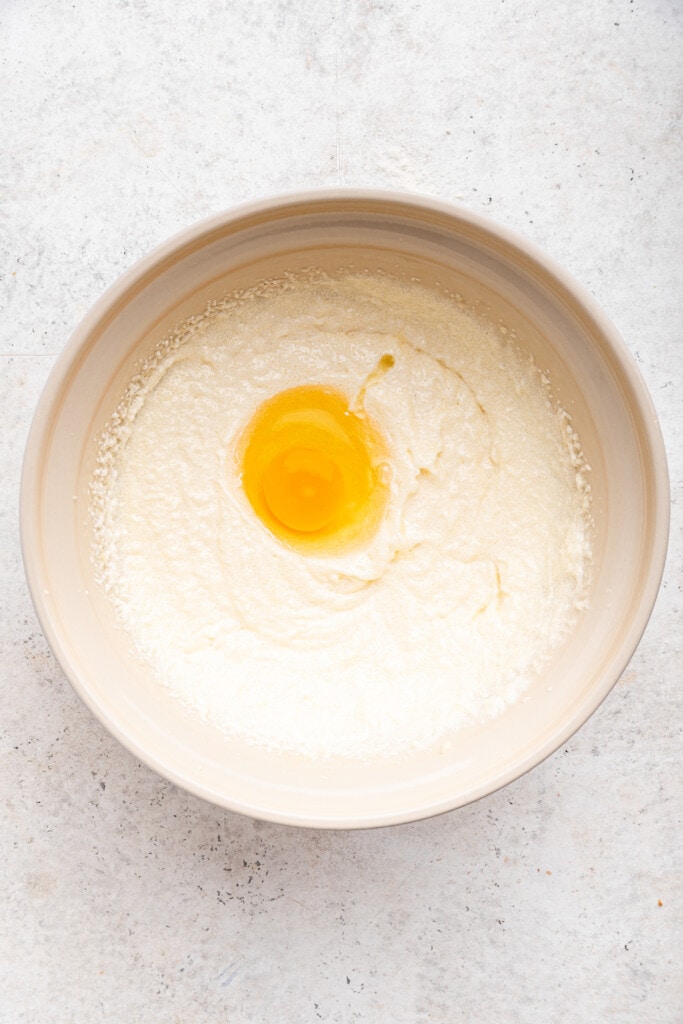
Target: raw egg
{"points": [[315, 471]]}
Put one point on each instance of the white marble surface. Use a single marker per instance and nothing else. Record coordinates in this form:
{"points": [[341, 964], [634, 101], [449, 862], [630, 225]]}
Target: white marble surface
{"points": [[127, 900]]}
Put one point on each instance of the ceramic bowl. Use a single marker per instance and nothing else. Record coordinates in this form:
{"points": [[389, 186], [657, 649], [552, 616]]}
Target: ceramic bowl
{"points": [[596, 381]]}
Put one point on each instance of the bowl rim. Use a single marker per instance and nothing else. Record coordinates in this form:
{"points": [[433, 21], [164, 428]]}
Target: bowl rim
{"points": [[130, 280]]}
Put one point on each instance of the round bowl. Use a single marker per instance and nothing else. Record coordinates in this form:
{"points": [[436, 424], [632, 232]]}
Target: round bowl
{"points": [[596, 381]]}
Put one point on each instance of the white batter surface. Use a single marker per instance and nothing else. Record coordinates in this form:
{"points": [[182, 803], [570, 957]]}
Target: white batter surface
{"points": [[441, 619]]}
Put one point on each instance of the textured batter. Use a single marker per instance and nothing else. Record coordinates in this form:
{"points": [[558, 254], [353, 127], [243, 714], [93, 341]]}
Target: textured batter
{"points": [[441, 617]]}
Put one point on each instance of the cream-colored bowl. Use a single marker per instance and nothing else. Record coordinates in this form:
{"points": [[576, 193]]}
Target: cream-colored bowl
{"points": [[597, 382]]}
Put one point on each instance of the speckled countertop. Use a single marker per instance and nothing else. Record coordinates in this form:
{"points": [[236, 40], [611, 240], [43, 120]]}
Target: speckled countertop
{"points": [[125, 899]]}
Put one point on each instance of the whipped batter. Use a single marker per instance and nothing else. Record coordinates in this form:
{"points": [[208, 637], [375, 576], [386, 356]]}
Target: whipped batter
{"points": [[441, 617]]}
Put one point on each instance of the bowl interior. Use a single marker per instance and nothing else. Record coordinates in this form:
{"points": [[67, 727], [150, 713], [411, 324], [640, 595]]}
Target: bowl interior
{"points": [[593, 378]]}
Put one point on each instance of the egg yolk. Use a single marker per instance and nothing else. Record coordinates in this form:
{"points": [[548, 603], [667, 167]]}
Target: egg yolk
{"points": [[314, 471]]}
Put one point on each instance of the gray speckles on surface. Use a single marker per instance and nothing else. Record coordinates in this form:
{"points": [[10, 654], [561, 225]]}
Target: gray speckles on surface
{"points": [[126, 899]]}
